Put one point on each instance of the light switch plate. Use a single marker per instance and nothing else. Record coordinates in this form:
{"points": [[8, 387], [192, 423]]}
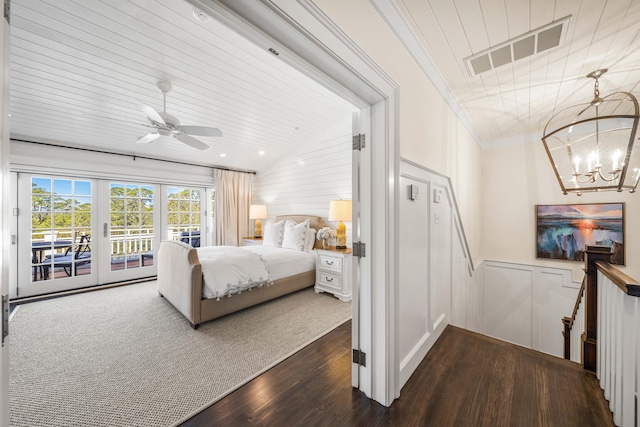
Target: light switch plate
{"points": [[414, 192], [437, 195]]}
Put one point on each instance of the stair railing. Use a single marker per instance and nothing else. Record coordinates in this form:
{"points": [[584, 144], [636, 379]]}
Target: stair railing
{"points": [[611, 338], [574, 328]]}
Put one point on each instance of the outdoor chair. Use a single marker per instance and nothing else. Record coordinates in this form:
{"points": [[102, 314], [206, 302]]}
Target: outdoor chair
{"points": [[191, 238], [74, 256]]}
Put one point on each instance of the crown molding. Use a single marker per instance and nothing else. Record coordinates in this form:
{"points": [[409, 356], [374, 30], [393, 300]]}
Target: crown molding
{"points": [[390, 12]]}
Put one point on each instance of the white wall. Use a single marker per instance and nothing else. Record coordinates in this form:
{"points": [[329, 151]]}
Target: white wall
{"points": [[431, 134], [521, 301], [307, 180], [518, 177], [437, 285]]}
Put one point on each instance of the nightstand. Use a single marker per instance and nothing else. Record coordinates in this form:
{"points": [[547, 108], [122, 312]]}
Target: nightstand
{"points": [[333, 272], [251, 241]]}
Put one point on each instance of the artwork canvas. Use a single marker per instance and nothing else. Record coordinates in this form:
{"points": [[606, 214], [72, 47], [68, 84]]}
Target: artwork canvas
{"points": [[564, 230]]}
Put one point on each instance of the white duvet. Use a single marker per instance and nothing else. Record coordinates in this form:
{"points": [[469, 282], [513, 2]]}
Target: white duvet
{"points": [[228, 270]]}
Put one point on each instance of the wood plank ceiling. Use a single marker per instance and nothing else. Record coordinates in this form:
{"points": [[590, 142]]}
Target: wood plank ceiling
{"points": [[513, 103], [80, 69]]}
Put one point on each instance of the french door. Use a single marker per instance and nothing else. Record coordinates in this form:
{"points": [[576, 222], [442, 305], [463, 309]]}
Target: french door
{"points": [[76, 232], [129, 232], [56, 230]]}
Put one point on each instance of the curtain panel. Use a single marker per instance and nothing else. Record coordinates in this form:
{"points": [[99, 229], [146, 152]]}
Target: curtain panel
{"points": [[232, 201]]}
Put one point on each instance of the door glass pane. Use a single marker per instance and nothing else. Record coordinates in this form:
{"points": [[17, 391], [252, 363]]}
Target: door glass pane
{"points": [[60, 228], [183, 214], [131, 225]]}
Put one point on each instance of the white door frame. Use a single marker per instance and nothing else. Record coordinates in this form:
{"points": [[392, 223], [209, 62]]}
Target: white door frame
{"points": [[309, 41], [5, 214]]}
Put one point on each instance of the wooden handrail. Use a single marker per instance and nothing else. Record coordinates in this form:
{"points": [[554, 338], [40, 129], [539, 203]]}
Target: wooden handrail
{"points": [[568, 321], [628, 285], [577, 304]]}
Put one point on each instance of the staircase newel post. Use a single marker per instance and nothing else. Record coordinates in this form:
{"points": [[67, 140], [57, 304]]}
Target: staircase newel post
{"points": [[566, 333], [590, 337]]}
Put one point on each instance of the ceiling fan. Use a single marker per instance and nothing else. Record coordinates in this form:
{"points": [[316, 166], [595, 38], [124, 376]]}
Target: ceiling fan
{"points": [[168, 125]]}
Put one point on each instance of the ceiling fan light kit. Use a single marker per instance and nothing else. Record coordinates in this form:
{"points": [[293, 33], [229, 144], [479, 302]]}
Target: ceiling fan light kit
{"points": [[169, 125], [592, 146]]}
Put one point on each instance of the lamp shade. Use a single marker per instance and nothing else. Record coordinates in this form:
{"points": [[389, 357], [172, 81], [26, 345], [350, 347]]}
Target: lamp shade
{"points": [[257, 211], [340, 210]]}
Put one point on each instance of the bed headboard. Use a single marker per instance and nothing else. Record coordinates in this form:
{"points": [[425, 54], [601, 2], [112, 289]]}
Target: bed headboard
{"points": [[314, 222]]}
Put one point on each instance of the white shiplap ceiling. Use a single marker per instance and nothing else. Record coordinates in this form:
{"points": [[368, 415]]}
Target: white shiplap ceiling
{"points": [[79, 70], [513, 103]]}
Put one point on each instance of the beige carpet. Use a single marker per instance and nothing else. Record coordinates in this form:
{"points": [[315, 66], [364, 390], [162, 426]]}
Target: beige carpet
{"points": [[126, 357]]}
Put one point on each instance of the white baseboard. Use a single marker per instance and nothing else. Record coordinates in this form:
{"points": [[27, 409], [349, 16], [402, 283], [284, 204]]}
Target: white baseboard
{"points": [[415, 356]]}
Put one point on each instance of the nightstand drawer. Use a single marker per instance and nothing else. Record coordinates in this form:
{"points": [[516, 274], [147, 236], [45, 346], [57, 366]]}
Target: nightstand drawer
{"points": [[330, 280], [330, 263]]}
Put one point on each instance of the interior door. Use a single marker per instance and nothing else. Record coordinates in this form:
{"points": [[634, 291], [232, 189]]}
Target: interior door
{"points": [[361, 215], [56, 232], [129, 231], [4, 214]]}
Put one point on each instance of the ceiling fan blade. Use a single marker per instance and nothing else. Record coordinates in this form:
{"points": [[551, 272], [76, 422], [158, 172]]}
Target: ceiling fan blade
{"points": [[192, 141], [201, 130], [152, 114], [148, 138]]}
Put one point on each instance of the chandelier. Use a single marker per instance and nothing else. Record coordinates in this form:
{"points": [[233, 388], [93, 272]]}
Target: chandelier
{"points": [[590, 145]]}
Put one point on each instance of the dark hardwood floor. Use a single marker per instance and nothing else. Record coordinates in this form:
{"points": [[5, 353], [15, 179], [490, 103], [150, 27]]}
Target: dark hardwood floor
{"points": [[467, 379]]}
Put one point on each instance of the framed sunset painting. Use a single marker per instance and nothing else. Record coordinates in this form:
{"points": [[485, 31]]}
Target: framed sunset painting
{"points": [[563, 231]]}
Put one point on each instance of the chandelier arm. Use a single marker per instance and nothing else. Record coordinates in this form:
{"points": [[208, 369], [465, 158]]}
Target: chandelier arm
{"points": [[614, 176]]}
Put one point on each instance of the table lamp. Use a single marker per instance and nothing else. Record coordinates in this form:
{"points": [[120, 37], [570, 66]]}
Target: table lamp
{"points": [[258, 212], [340, 210]]}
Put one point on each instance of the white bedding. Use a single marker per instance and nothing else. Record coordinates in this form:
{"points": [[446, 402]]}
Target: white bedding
{"points": [[228, 270], [284, 262]]}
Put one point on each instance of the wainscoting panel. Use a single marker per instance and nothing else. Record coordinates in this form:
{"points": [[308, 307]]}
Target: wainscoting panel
{"points": [[525, 304], [415, 337], [440, 252], [437, 283], [414, 254], [507, 303]]}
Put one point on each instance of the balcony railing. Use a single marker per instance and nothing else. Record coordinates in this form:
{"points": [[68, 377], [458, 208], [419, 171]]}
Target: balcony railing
{"points": [[133, 242]]}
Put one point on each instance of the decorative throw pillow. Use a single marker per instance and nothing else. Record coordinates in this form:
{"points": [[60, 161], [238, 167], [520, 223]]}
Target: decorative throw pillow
{"points": [[310, 240], [273, 234], [295, 235]]}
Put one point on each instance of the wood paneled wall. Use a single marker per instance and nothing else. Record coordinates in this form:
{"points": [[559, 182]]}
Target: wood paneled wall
{"points": [[307, 180]]}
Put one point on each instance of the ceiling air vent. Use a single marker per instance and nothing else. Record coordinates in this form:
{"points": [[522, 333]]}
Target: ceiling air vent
{"points": [[529, 44]]}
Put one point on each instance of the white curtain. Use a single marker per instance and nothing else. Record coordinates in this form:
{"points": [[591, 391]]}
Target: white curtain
{"points": [[233, 198]]}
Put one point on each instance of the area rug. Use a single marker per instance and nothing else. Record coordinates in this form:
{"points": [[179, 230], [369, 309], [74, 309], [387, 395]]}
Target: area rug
{"points": [[126, 357]]}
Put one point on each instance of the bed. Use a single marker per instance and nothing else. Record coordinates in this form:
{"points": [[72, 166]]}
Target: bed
{"points": [[185, 274]]}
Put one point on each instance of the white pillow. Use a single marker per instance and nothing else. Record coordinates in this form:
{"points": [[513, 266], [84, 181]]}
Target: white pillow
{"points": [[295, 235], [273, 234], [310, 240]]}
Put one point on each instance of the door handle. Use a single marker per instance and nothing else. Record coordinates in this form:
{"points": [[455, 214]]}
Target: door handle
{"points": [[106, 230]]}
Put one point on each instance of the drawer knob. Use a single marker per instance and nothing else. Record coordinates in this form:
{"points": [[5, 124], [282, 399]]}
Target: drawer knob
{"points": [[328, 279], [328, 262]]}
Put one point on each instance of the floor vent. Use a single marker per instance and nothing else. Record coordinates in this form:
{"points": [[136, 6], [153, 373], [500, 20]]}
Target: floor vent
{"points": [[529, 44]]}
